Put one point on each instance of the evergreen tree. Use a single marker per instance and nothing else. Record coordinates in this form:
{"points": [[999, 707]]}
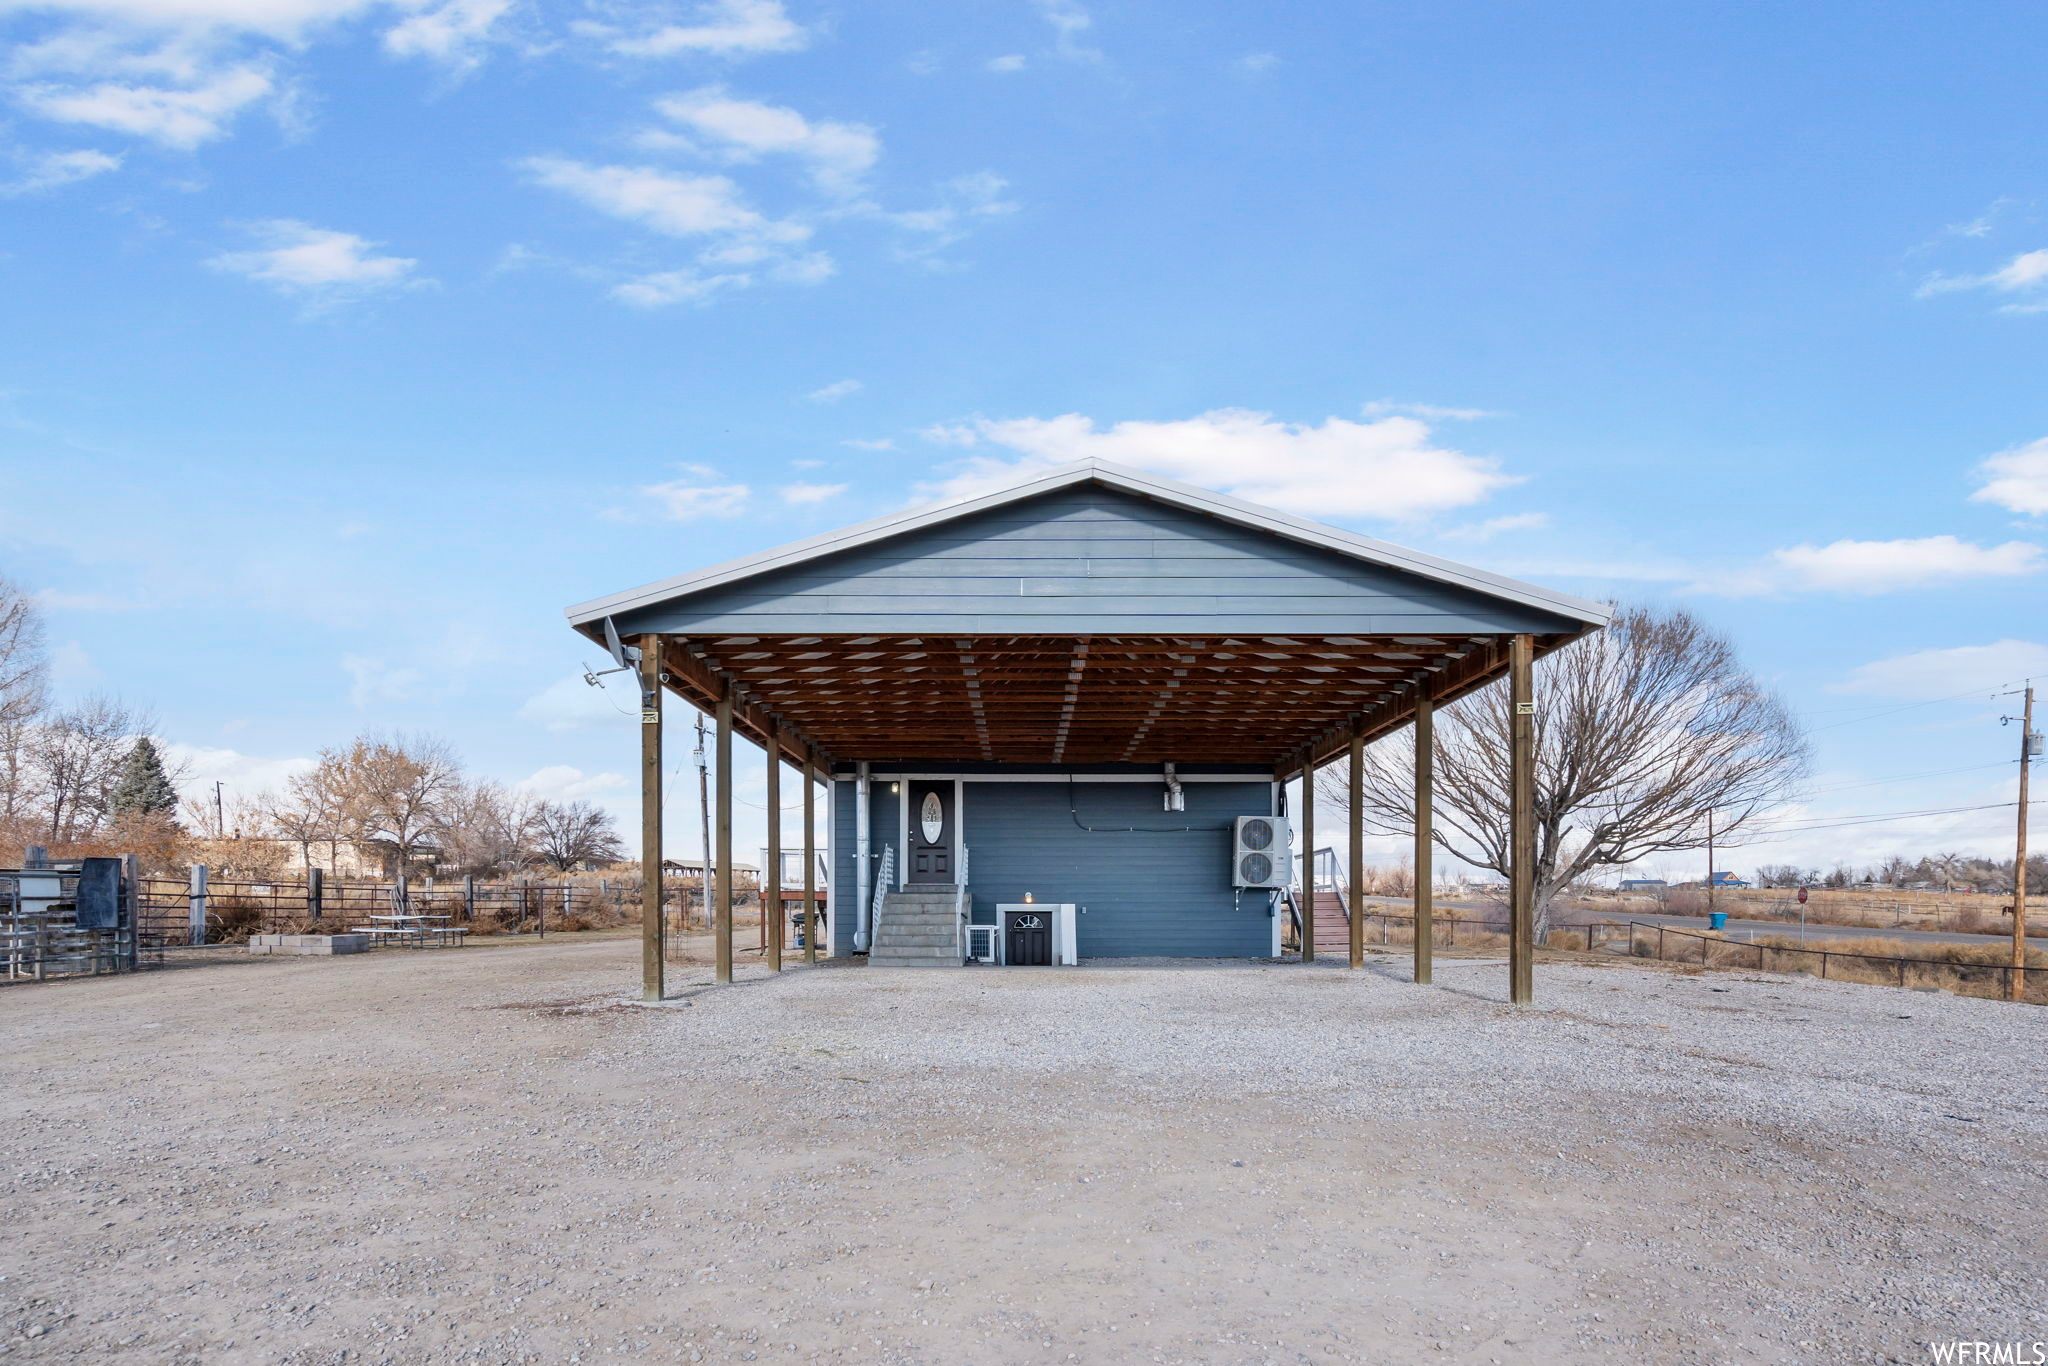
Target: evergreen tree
{"points": [[144, 788]]}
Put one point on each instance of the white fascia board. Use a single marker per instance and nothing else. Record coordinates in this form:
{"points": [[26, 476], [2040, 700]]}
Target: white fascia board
{"points": [[1221, 506]]}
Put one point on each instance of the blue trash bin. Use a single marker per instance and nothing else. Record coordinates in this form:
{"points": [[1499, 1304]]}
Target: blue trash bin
{"points": [[1717, 920]]}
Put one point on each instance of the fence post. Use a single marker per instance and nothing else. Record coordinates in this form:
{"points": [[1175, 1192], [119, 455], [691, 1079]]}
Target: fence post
{"points": [[131, 905], [314, 889], [469, 899], [195, 906]]}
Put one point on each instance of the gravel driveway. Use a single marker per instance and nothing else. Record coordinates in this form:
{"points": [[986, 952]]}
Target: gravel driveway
{"points": [[489, 1156]]}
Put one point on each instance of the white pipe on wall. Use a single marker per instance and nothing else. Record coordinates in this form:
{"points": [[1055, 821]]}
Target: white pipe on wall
{"points": [[861, 873]]}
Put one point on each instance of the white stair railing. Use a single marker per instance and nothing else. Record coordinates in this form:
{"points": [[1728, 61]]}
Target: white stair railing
{"points": [[960, 907], [883, 877]]}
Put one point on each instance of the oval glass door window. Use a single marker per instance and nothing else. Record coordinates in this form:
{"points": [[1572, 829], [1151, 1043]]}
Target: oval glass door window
{"points": [[931, 818]]}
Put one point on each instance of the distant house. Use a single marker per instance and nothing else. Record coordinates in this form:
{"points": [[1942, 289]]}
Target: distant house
{"points": [[1643, 884], [1728, 880]]}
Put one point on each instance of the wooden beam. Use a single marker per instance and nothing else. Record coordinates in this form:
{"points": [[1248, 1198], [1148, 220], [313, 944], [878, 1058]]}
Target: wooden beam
{"points": [[1521, 821], [1357, 849], [722, 849], [771, 876], [653, 926], [1425, 842]]}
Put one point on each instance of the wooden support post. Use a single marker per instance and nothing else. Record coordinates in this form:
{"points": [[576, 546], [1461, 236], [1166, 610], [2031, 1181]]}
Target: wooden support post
{"points": [[722, 913], [1425, 844], [314, 889], [2016, 980], [653, 930], [810, 862], [1308, 867], [469, 900], [1357, 849], [1521, 820], [771, 876]]}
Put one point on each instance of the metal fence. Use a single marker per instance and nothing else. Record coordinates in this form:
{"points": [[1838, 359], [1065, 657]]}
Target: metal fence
{"points": [[200, 909], [76, 918], [1662, 942]]}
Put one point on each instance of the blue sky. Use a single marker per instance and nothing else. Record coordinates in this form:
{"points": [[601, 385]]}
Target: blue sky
{"points": [[347, 342]]}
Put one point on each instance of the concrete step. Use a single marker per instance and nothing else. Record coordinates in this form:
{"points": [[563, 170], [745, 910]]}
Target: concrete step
{"points": [[914, 958], [921, 919], [886, 940]]}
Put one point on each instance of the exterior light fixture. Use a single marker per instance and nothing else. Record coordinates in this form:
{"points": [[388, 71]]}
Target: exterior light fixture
{"points": [[1027, 898]]}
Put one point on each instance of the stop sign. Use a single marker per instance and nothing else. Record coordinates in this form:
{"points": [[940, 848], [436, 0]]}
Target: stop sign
{"points": [[1802, 896]]}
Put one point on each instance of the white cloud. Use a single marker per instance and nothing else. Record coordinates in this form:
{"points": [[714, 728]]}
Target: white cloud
{"points": [[1257, 63], [963, 201], [724, 28], [275, 18], [315, 263], [571, 704], [377, 680], [1386, 407], [2025, 274], [837, 156], [1926, 675], [691, 497], [810, 493], [1879, 566], [1341, 468], [2017, 479], [676, 205], [564, 783], [53, 170], [1495, 526], [836, 390], [667, 287], [453, 32], [879, 443], [243, 774], [1069, 21], [180, 117], [1010, 62]]}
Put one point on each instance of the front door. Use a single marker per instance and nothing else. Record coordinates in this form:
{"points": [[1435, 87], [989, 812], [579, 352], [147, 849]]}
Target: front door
{"points": [[1028, 937], [931, 832]]}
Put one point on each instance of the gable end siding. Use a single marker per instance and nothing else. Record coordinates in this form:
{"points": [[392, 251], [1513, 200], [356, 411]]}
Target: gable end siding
{"points": [[1090, 561]]}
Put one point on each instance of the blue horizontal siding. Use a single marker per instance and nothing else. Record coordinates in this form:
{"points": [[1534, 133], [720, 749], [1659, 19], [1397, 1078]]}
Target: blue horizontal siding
{"points": [[1091, 561], [1162, 893]]}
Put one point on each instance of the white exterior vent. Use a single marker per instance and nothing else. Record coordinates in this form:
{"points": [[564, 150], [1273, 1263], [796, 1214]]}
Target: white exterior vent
{"points": [[1262, 852]]}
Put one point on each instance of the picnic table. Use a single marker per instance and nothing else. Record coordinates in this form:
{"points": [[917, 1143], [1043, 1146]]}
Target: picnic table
{"points": [[413, 931]]}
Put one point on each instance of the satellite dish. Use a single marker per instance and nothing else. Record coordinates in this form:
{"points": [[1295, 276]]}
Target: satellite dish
{"points": [[626, 655]]}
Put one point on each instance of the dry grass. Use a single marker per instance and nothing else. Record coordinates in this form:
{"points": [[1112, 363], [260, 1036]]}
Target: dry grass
{"points": [[1963, 969]]}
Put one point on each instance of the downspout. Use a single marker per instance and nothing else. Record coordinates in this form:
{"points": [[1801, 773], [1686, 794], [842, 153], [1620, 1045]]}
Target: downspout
{"points": [[861, 874]]}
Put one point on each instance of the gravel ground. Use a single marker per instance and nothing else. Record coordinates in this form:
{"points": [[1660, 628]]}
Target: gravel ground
{"points": [[489, 1155]]}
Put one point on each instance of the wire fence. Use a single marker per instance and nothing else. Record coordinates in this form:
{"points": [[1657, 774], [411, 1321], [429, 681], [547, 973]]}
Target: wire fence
{"points": [[1662, 942]]}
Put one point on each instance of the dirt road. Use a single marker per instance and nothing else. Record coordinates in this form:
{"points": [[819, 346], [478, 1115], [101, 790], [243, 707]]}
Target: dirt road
{"points": [[488, 1156]]}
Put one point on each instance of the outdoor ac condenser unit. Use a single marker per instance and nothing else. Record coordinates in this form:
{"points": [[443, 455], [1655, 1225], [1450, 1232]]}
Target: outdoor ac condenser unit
{"points": [[1261, 852]]}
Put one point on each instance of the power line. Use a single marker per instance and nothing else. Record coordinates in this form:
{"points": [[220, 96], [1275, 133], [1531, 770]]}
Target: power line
{"points": [[1932, 701], [1908, 777]]}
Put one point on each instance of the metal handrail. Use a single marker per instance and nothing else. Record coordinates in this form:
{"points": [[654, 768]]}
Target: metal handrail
{"points": [[1334, 874], [885, 875]]}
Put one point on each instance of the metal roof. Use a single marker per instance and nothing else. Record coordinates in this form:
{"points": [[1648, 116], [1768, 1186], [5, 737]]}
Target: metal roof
{"points": [[588, 616]]}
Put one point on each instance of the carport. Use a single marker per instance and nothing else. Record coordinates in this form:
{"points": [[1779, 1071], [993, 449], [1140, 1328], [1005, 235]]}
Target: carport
{"points": [[1124, 636]]}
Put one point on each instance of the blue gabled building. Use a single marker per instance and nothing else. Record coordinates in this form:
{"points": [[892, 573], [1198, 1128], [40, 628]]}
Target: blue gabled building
{"points": [[1080, 694]]}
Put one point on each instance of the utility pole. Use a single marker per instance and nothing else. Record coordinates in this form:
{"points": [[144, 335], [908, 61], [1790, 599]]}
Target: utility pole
{"points": [[704, 824], [220, 816], [2015, 987]]}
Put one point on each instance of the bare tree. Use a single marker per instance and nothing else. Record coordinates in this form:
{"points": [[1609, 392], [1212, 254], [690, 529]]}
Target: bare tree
{"points": [[22, 699], [394, 792], [77, 756], [569, 833], [487, 828], [1641, 730]]}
